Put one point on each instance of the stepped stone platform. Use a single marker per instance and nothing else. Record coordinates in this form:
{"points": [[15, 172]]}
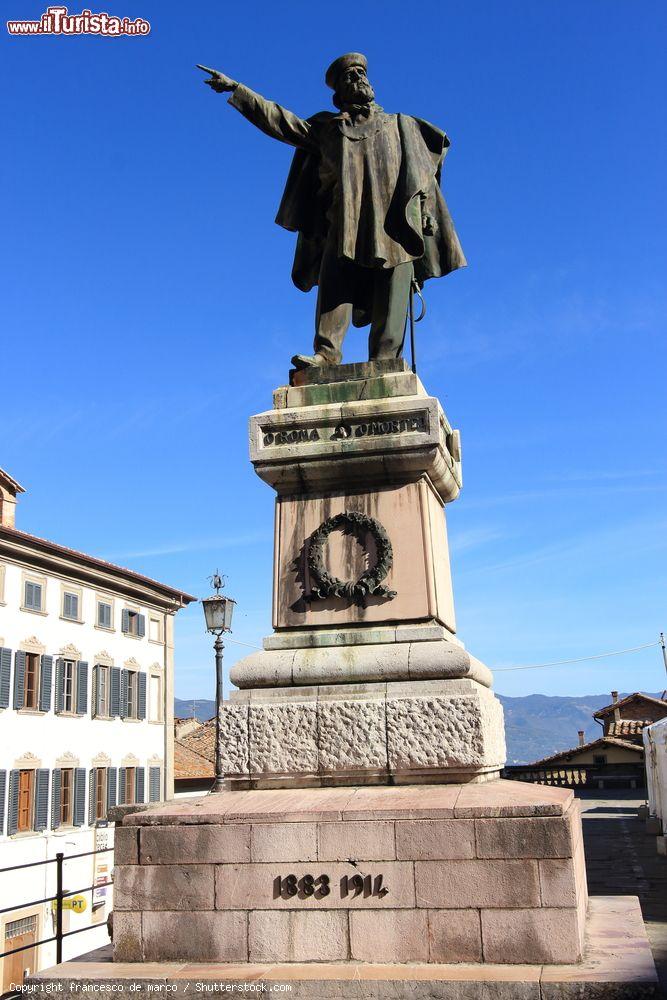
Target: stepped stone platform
{"points": [[617, 965], [478, 872]]}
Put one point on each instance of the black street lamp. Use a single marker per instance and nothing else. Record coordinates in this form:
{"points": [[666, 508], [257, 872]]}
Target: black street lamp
{"points": [[218, 611]]}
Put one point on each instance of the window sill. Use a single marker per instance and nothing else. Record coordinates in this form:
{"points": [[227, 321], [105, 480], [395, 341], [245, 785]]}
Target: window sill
{"points": [[72, 621], [130, 635], [155, 722], [130, 719], [27, 834], [157, 642], [30, 711], [70, 715], [104, 718], [34, 611], [104, 628]]}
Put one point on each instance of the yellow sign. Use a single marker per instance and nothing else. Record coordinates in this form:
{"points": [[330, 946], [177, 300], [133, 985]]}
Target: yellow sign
{"points": [[76, 903]]}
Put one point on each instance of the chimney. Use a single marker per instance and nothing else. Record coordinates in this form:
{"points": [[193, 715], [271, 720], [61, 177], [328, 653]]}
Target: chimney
{"points": [[614, 696], [581, 738], [9, 489]]}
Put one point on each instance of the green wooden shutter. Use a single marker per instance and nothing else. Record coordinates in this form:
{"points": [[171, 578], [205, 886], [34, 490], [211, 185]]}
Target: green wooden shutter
{"points": [[141, 696], [5, 674], [139, 784], [45, 678], [13, 804], [55, 798], [41, 799], [141, 626], [112, 778], [79, 796], [19, 679], [3, 788], [153, 784], [81, 687], [125, 621], [121, 786], [114, 701], [60, 684], [92, 791]]}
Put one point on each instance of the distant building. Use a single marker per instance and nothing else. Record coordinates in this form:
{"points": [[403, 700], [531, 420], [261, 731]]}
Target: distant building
{"points": [[86, 720], [629, 716], [194, 758], [616, 759]]}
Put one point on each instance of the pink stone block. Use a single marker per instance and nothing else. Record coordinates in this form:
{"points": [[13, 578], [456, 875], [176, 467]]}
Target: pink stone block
{"points": [[558, 882], [126, 845], [390, 936], [428, 840], [359, 841], [454, 936], [253, 887], [197, 937], [164, 887], [523, 837], [282, 842], [467, 884], [127, 944], [187, 845], [511, 798], [298, 936], [524, 936]]}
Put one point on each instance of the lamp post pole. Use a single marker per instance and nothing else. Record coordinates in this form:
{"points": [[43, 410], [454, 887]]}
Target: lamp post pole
{"points": [[218, 646], [218, 612]]}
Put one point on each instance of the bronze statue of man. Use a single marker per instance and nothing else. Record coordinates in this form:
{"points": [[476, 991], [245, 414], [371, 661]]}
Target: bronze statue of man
{"points": [[364, 196]]}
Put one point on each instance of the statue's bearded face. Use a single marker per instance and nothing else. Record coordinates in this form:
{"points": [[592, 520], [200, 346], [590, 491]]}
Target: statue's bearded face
{"points": [[353, 87]]}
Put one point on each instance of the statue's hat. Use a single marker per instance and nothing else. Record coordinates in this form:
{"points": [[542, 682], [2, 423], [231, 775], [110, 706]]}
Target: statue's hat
{"points": [[339, 66]]}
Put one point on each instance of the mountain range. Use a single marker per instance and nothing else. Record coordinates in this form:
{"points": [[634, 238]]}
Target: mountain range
{"points": [[536, 725]]}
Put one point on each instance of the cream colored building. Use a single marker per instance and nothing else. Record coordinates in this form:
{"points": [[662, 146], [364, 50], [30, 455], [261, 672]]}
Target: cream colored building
{"points": [[86, 722]]}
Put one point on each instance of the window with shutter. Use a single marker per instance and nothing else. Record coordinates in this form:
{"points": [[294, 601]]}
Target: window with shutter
{"points": [[31, 681], [60, 669], [154, 784], [68, 686], [13, 802], [79, 810], [32, 596], [141, 696], [139, 785], [66, 796], [123, 694], [112, 778], [3, 789], [102, 793], [41, 799], [114, 694], [122, 777], [104, 611], [81, 687], [45, 676], [71, 606], [101, 691], [19, 679], [55, 798], [92, 795], [5, 676]]}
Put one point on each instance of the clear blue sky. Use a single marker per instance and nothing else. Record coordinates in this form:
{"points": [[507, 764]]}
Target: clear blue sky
{"points": [[146, 307]]}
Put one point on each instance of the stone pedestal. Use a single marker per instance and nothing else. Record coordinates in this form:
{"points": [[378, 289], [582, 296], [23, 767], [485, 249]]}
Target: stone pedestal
{"points": [[475, 873], [364, 679]]}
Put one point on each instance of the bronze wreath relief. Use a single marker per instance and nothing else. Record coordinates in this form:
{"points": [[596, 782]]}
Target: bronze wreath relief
{"points": [[324, 584]]}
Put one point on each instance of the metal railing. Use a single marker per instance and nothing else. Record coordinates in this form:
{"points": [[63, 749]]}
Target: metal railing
{"points": [[59, 898]]}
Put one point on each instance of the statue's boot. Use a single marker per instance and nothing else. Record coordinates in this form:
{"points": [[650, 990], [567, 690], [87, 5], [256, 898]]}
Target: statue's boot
{"points": [[301, 361]]}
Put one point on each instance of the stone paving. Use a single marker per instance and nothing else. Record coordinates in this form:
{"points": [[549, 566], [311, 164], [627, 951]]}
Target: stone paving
{"points": [[621, 859]]}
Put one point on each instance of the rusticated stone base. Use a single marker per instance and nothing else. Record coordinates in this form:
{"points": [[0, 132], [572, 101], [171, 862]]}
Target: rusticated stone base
{"points": [[403, 732], [490, 872]]}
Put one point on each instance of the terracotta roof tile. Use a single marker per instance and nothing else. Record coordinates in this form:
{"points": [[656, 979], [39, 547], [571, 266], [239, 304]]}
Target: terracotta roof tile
{"points": [[188, 764], [636, 696], [628, 727]]}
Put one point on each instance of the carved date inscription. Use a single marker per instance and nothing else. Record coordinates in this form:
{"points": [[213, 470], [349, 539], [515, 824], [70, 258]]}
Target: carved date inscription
{"points": [[319, 886]]}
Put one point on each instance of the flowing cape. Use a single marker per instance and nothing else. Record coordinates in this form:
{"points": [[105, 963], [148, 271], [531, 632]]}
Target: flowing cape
{"points": [[423, 148]]}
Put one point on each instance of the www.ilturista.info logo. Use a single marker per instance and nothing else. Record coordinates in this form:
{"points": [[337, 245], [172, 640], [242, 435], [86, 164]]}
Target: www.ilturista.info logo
{"points": [[57, 21]]}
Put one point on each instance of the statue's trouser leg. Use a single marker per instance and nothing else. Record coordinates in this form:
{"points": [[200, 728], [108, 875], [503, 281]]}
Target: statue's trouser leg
{"points": [[391, 289], [335, 293]]}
